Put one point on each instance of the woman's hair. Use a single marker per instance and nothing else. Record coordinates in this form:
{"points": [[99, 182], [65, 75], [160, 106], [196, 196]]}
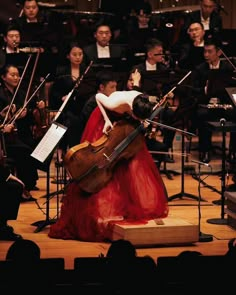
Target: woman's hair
{"points": [[142, 107], [5, 69], [71, 44]]}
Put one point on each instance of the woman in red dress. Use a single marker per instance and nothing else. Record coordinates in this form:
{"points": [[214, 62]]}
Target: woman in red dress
{"points": [[135, 193]]}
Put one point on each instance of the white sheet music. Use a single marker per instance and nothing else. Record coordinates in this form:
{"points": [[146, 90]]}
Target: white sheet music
{"points": [[49, 142]]}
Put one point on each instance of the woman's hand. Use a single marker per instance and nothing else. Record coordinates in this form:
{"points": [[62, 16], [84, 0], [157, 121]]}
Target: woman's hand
{"points": [[107, 126]]}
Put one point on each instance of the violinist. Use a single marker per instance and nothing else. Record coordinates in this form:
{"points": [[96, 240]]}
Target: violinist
{"points": [[135, 192], [16, 148]]}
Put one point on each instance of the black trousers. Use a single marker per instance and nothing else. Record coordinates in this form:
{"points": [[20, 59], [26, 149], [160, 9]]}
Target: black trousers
{"points": [[11, 192], [26, 166]]}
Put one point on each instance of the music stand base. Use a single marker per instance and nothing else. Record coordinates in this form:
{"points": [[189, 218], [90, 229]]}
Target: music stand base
{"points": [[182, 195], [205, 238], [220, 221], [42, 223], [217, 202]]}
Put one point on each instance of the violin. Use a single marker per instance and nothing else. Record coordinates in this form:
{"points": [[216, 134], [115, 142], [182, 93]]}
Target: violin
{"points": [[41, 123], [91, 164]]}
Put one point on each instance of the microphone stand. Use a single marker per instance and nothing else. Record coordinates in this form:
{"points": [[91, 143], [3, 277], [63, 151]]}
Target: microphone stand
{"points": [[182, 192]]}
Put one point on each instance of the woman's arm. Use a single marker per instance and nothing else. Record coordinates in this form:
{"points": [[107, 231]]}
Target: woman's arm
{"points": [[103, 100]]}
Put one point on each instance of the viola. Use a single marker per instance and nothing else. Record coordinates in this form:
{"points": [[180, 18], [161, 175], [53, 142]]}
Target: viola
{"points": [[91, 165]]}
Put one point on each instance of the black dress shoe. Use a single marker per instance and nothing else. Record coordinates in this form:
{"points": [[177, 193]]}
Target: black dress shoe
{"points": [[27, 197], [7, 234], [205, 157]]}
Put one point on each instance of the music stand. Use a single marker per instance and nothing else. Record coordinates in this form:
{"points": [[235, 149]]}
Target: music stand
{"points": [[42, 153], [182, 193]]}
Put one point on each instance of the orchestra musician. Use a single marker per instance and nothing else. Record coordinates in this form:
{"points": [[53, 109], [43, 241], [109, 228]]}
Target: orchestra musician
{"points": [[38, 32], [67, 74], [154, 63], [191, 52], [153, 144], [128, 196], [16, 148], [208, 16], [12, 42], [30, 12], [102, 47], [206, 90]]}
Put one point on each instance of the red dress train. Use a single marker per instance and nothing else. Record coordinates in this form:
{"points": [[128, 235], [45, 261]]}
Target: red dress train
{"points": [[136, 193]]}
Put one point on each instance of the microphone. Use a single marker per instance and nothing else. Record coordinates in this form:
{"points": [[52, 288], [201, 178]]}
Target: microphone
{"points": [[222, 122], [201, 163]]}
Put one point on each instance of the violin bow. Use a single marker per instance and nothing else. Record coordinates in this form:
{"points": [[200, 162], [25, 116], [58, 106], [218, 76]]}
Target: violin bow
{"points": [[17, 88], [32, 76], [166, 95]]}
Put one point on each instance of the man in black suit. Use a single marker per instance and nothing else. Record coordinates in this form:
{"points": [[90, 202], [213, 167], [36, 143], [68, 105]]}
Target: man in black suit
{"points": [[208, 16], [209, 81], [102, 49], [154, 64], [11, 189], [191, 52]]}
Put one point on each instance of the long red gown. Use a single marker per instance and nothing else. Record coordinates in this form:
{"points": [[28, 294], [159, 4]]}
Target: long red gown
{"points": [[135, 194]]}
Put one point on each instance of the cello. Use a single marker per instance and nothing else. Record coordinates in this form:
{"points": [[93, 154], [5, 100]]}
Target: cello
{"points": [[91, 164]]}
